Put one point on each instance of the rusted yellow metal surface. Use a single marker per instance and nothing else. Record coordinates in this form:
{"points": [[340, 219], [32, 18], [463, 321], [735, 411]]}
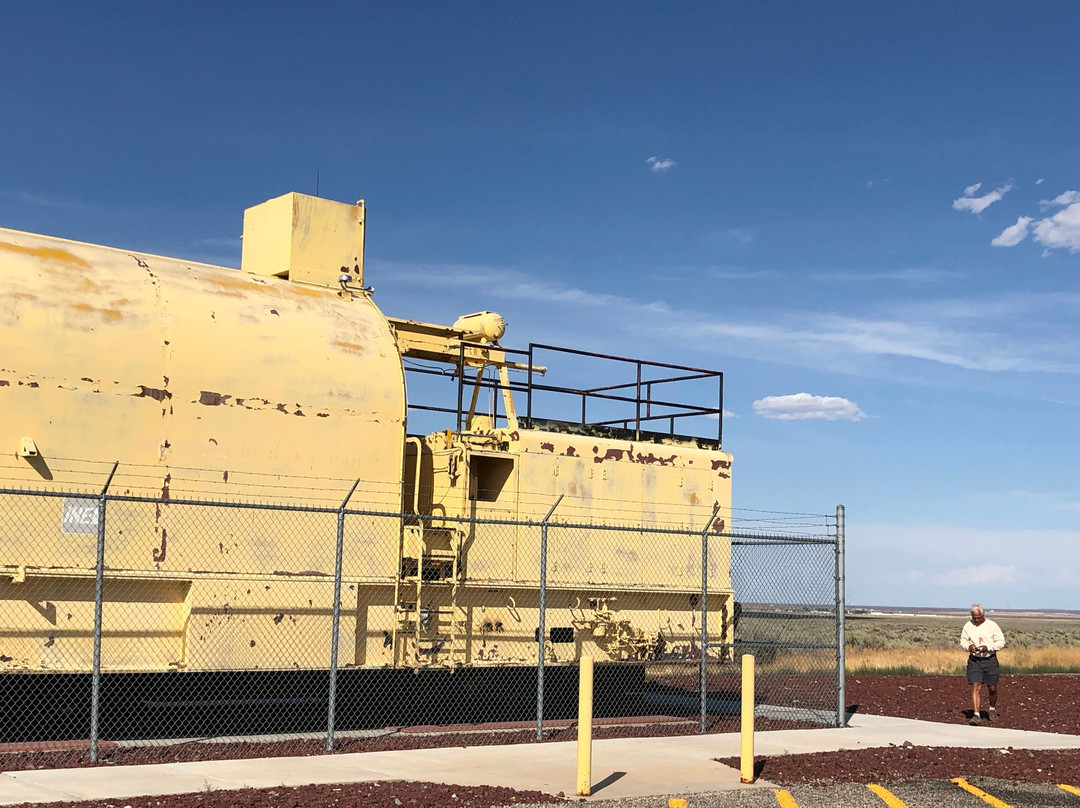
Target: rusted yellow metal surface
{"points": [[280, 383], [305, 239]]}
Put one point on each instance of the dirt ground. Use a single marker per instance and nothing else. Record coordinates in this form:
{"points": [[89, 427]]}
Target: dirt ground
{"points": [[1049, 703]]}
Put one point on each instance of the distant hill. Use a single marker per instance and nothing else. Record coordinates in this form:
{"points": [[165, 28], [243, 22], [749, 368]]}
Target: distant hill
{"points": [[1050, 614]]}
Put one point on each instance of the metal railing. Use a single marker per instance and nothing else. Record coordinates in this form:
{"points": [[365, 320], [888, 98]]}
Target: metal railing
{"points": [[633, 406]]}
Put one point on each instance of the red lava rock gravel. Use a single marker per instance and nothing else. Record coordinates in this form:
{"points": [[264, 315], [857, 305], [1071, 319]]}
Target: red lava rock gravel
{"points": [[1048, 703], [397, 794], [1042, 702]]}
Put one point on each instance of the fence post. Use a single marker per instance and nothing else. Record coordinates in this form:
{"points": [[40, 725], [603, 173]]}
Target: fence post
{"points": [[702, 673], [99, 591], [541, 631], [332, 696], [841, 683]]}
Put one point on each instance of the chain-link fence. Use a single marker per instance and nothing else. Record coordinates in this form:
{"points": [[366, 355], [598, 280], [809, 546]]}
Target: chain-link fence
{"points": [[133, 618]]}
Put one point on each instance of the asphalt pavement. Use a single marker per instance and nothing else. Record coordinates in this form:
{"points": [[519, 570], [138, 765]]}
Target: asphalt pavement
{"points": [[634, 771]]}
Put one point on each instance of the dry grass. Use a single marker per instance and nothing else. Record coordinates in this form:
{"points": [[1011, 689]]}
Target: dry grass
{"points": [[925, 644], [938, 660]]}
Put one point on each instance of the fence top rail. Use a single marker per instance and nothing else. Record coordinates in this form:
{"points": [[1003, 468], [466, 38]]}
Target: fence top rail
{"points": [[738, 537]]}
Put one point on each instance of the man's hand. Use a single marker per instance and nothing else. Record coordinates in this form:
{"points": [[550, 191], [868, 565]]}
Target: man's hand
{"points": [[982, 648], [971, 648]]}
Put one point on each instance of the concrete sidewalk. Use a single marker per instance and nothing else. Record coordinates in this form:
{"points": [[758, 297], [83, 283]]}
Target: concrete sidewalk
{"points": [[622, 767]]}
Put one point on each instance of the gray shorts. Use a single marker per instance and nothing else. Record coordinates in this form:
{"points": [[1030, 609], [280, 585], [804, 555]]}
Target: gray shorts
{"points": [[984, 671]]}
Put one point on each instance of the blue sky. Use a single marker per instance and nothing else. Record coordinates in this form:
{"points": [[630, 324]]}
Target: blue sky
{"points": [[875, 206]]}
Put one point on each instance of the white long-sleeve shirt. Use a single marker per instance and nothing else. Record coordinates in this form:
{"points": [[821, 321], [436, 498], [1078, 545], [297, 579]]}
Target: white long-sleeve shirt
{"points": [[986, 633]]}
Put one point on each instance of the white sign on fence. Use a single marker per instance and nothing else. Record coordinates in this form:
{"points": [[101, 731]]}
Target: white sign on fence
{"points": [[79, 516]]}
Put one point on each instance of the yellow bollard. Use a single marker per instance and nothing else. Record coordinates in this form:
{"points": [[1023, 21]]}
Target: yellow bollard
{"points": [[746, 758], [584, 727]]}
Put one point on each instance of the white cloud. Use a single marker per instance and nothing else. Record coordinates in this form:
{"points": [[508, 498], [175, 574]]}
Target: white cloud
{"points": [[736, 274], [818, 340], [1040, 180], [985, 575], [41, 201], [1061, 200], [658, 164], [1013, 234], [729, 237], [1021, 333], [1043, 500], [977, 204], [915, 275], [1062, 230], [803, 406], [933, 564]]}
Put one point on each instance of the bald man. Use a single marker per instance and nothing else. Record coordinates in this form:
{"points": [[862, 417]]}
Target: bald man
{"points": [[982, 639]]}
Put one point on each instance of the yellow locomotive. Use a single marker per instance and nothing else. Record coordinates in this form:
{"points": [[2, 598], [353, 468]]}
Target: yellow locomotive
{"points": [[284, 382]]}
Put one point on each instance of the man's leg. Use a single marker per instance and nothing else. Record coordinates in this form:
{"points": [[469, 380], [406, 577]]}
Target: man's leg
{"points": [[993, 701], [976, 691]]}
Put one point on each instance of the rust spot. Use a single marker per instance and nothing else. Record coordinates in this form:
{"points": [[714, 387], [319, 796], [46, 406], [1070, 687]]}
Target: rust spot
{"points": [[278, 618], [108, 314], [159, 554], [86, 379], [693, 498], [349, 347], [211, 399], [142, 264], [570, 452], [322, 415], [165, 487], [610, 454], [51, 642], [300, 413], [5, 383], [548, 447], [155, 393], [721, 464], [274, 312], [651, 458], [213, 441], [253, 643], [719, 525], [32, 384], [221, 548], [225, 477], [282, 408], [53, 254], [514, 436]]}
